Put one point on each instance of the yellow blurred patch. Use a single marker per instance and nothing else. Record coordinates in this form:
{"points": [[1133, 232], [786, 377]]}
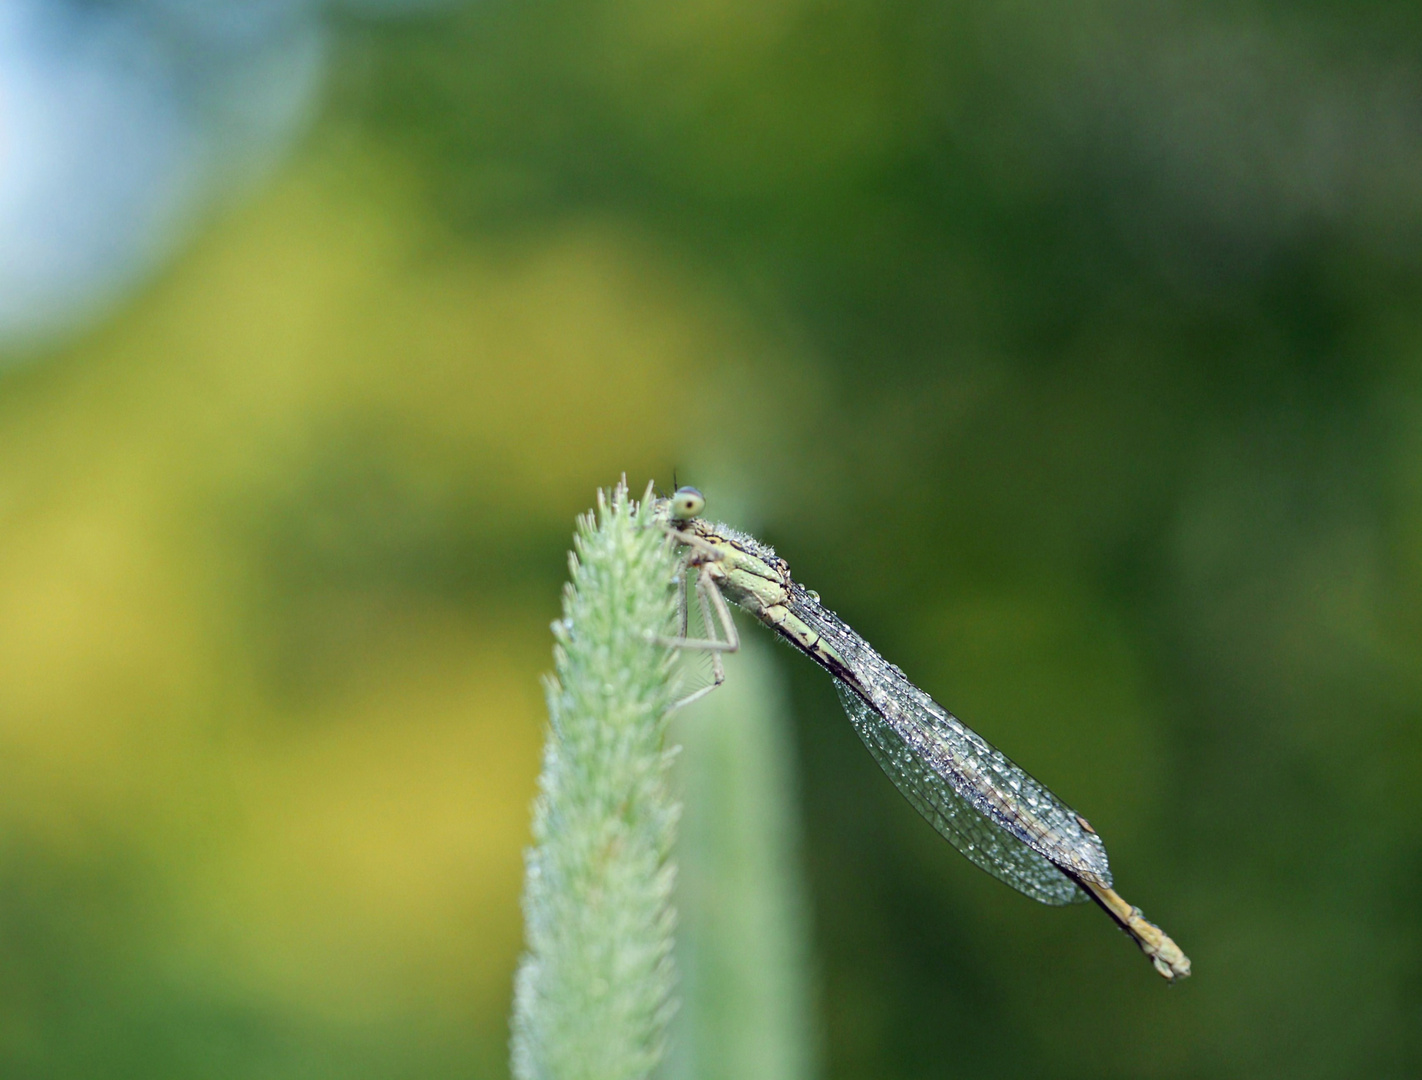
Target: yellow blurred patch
{"points": [[376, 856]]}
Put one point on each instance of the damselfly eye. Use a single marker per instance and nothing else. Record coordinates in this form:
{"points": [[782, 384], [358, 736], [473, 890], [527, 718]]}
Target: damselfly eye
{"points": [[687, 503]]}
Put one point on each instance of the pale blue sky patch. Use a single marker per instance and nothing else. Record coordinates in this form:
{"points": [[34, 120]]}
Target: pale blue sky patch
{"points": [[120, 124]]}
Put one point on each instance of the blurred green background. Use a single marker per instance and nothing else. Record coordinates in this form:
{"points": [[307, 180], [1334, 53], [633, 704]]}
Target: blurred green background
{"points": [[1073, 352]]}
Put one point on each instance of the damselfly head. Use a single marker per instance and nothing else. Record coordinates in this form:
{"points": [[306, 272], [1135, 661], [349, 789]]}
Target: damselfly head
{"points": [[686, 503]]}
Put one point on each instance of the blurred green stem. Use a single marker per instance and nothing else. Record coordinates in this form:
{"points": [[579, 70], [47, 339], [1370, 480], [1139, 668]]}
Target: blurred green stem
{"points": [[742, 944], [593, 993]]}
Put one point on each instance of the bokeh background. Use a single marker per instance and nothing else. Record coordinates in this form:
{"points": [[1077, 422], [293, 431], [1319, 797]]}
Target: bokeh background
{"points": [[1072, 351]]}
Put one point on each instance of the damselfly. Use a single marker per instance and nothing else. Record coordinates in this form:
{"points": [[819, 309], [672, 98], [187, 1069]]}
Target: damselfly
{"points": [[982, 803]]}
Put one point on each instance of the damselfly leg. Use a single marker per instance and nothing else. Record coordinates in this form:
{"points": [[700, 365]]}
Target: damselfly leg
{"points": [[701, 557]]}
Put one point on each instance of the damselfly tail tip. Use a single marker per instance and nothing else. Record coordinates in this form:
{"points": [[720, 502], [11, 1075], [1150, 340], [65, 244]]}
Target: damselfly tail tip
{"points": [[1167, 956]]}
